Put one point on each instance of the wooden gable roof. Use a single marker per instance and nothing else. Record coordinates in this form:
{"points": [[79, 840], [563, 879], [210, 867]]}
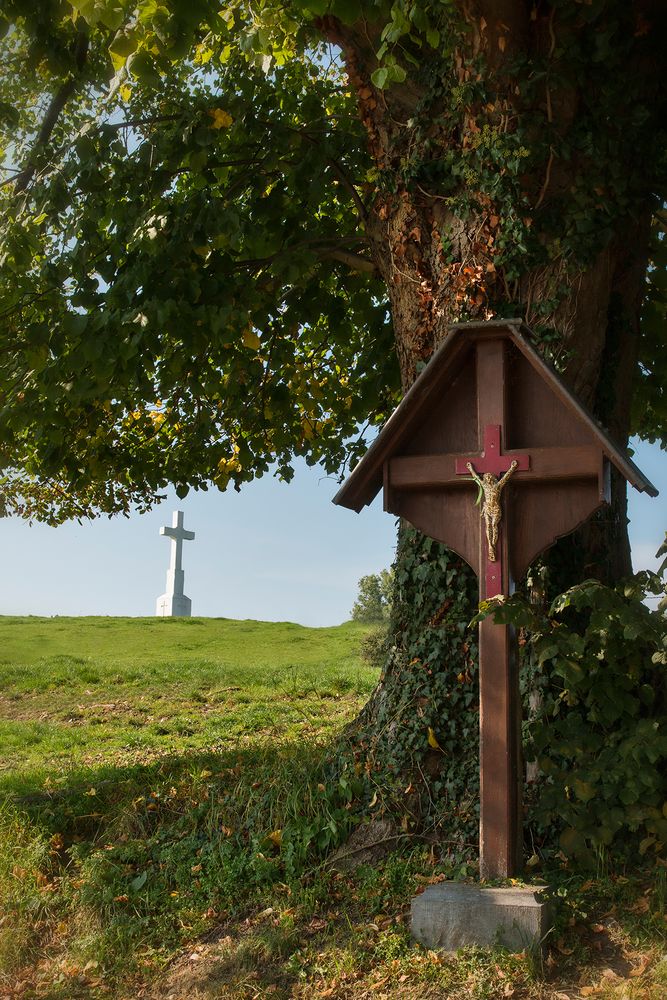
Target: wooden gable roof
{"points": [[427, 392]]}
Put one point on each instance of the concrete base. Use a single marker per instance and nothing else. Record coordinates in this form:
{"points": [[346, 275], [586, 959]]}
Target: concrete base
{"points": [[452, 915], [173, 606]]}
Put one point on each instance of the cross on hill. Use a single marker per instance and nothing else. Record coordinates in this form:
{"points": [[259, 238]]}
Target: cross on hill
{"points": [[173, 603]]}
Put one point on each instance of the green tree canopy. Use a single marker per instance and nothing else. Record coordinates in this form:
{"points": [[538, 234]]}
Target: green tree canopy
{"points": [[196, 277], [185, 295]]}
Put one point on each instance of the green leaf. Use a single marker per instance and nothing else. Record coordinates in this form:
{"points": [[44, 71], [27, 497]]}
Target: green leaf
{"points": [[139, 882], [379, 77], [584, 790], [142, 66], [9, 115], [124, 44], [572, 841], [347, 10]]}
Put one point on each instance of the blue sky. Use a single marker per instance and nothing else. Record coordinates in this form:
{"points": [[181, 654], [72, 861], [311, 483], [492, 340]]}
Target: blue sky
{"points": [[275, 552]]}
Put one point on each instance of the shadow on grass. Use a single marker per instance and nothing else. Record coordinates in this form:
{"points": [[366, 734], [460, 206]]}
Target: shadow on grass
{"points": [[145, 857], [278, 777]]}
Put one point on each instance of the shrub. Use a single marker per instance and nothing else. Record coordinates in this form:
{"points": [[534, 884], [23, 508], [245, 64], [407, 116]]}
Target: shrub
{"points": [[594, 667], [375, 646]]}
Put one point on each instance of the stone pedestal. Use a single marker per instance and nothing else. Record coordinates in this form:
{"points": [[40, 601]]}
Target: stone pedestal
{"points": [[453, 915], [173, 606]]}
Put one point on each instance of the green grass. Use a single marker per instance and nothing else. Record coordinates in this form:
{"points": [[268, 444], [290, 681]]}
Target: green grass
{"points": [[77, 691], [169, 812]]}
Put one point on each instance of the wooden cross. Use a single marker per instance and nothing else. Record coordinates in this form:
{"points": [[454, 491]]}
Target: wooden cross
{"points": [[500, 718], [485, 388]]}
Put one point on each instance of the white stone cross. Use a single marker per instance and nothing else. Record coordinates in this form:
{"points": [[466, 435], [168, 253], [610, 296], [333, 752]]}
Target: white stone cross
{"points": [[173, 603]]}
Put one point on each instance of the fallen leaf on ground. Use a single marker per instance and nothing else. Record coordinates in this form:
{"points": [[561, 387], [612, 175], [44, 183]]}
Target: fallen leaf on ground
{"points": [[640, 969]]}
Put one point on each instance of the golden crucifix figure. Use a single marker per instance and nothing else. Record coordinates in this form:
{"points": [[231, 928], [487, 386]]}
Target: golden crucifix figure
{"points": [[491, 508]]}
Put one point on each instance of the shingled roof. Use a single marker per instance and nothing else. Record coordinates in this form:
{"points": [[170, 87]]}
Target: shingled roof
{"points": [[366, 480]]}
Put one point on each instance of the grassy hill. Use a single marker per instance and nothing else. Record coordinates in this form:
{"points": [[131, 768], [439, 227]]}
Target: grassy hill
{"points": [[168, 812], [75, 692]]}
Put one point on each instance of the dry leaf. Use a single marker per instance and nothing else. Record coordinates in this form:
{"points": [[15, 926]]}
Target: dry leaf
{"points": [[640, 969]]}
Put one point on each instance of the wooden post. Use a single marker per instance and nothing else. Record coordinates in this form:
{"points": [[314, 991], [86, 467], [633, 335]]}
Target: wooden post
{"points": [[500, 828], [499, 712]]}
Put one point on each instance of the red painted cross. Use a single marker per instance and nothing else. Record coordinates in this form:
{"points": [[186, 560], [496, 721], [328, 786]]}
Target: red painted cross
{"points": [[492, 458], [494, 461]]}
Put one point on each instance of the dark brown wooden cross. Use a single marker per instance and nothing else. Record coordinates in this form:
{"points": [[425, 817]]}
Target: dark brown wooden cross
{"points": [[487, 403], [500, 733]]}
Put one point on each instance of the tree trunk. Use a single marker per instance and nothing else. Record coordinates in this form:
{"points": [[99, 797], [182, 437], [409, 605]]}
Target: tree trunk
{"points": [[500, 196]]}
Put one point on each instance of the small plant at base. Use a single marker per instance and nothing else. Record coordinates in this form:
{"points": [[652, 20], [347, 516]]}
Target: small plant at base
{"points": [[599, 737]]}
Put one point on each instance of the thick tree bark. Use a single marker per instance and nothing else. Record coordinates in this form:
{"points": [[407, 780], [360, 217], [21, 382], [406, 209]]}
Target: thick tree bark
{"points": [[445, 252]]}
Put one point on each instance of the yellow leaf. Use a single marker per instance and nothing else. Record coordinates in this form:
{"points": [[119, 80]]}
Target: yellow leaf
{"points": [[91, 791], [432, 741], [276, 837], [251, 339], [221, 119], [125, 92], [203, 55], [117, 61]]}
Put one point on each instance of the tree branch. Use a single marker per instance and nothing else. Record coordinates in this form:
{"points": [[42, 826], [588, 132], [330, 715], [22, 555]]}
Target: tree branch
{"points": [[53, 112], [353, 260]]}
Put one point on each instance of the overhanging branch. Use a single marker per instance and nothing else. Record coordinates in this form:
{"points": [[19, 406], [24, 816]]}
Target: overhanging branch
{"points": [[53, 112], [353, 260]]}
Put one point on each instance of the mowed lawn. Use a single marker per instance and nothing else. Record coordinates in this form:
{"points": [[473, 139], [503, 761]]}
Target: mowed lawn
{"points": [[169, 810]]}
